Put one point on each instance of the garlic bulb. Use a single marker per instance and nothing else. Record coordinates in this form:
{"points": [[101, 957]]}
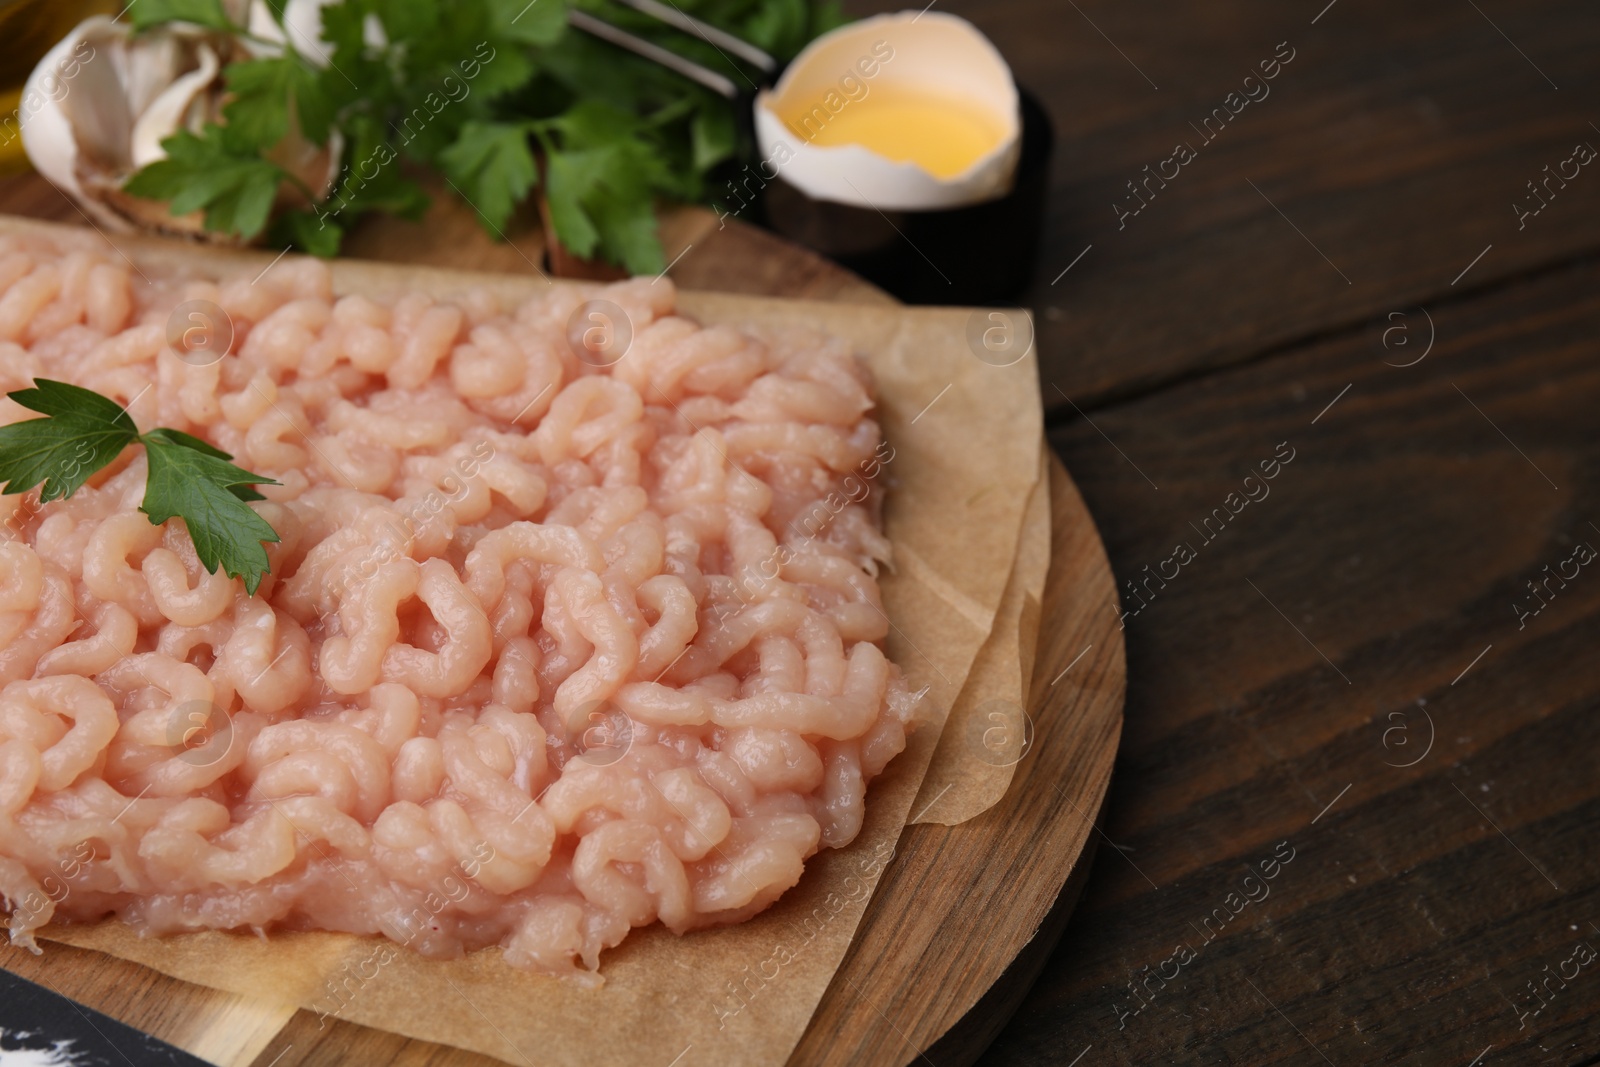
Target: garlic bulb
{"points": [[105, 98]]}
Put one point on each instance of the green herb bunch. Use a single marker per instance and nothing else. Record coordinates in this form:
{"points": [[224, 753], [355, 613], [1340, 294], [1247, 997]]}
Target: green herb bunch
{"points": [[480, 92]]}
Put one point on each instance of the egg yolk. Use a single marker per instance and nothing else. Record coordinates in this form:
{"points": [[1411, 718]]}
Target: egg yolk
{"points": [[944, 135]]}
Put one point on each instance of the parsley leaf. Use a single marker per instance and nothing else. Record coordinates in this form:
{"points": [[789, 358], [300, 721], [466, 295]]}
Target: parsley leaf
{"points": [[536, 22], [409, 20], [570, 178], [503, 71], [264, 90], [627, 223], [600, 185], [191, 480], [713, 137], [207, 13], [188, 479], [242, 490], [236, 191], [344, 27], [492, 167], [65, 400], [258, 114], [82, 433], [373, 180], [305, 230]]}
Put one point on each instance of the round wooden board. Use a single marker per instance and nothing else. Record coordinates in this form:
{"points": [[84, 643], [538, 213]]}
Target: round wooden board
{"points": [[965, 915]]}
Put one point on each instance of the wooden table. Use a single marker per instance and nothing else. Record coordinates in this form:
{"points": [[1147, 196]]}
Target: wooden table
{"points": [[1341, 665]]}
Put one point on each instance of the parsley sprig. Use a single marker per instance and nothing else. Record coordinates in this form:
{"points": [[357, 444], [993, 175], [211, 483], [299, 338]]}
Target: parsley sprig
{"points": [[189, 479], [497, 97]]}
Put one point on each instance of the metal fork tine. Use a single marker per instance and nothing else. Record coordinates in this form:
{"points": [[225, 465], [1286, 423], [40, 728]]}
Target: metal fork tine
{"points": [[649, 50], [677, 18]]}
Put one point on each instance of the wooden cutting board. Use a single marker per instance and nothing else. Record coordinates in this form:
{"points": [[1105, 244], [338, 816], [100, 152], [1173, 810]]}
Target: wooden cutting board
{"points": [[963, 918]]}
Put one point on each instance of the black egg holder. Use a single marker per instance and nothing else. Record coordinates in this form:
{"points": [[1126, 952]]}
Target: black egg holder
{"points": [[977, 254]]}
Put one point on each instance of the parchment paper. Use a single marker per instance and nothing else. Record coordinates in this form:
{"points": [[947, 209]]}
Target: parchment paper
{"points": [[966, 438], [989, 730]]}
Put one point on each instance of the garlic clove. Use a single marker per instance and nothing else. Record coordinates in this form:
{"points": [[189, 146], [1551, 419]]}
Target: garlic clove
{"points": [[264, 28], [147, 67], [94, 100], [173, 110], [55, 143], [315, 165], [302, 21], [107, 98]]}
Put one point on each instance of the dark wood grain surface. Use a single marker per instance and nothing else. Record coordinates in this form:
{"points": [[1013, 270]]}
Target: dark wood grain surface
{"points": [[1358, 617], [1363, 613], [1395, 141]]}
